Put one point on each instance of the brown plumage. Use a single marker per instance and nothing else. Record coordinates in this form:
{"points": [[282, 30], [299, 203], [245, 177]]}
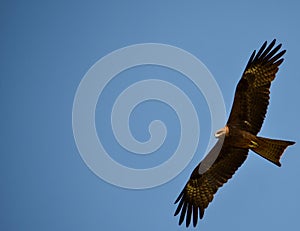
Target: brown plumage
{"points": [[237, 137]]}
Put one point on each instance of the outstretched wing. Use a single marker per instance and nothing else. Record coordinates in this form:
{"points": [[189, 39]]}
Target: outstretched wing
{"points": [[252, 93], [204, 182]]}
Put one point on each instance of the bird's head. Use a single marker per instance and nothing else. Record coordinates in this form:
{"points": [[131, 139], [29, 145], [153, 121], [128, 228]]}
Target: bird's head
{"points": [[222, 132]]}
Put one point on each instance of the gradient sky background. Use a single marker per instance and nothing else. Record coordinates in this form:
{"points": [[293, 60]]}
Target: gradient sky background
{"points": [[47, 47]]}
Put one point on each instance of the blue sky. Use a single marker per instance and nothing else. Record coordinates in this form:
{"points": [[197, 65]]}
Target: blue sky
{"points": [[47, 48]]}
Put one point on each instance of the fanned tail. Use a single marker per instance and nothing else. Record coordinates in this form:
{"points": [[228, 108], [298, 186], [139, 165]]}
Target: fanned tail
{"points": [[270, 149]]}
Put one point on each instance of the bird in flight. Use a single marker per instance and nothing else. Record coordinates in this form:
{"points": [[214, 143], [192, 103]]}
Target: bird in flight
{"points": [[237, 137]]}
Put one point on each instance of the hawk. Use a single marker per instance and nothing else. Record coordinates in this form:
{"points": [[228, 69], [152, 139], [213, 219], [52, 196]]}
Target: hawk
{"points": [[237, 137]]}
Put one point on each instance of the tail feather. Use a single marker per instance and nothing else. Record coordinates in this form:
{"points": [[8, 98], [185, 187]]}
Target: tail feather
{"points": [[270, 149]]}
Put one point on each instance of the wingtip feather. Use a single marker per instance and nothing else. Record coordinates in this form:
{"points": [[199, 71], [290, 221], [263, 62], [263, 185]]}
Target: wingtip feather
{"points": [[188, 215], [183, 212], [179, 197], [201, 213], [195, 216]]}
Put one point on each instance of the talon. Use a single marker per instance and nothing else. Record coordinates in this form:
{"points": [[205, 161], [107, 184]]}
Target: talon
{"points": [[253, 144]]}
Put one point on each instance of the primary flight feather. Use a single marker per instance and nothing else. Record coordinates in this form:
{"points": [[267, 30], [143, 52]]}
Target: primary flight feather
{"points": [[237, 137]]}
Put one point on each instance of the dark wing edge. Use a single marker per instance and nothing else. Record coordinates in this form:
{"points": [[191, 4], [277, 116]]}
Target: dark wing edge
{"points": [[200, 189], [252, 94]]}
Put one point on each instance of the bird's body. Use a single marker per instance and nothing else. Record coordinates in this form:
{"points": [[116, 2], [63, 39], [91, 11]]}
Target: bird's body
{"points": [[237, 137]]}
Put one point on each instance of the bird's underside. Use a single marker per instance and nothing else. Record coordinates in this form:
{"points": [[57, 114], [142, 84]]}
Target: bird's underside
{"points": [[237, 137]]}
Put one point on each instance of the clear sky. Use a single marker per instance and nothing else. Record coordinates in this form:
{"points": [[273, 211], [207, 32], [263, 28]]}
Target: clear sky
{"points": [[47, 48]]}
